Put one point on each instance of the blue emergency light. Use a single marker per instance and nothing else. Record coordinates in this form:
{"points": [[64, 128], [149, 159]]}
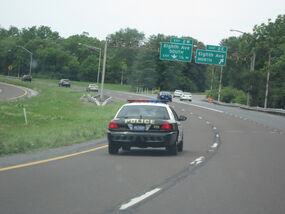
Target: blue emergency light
{"points": [[148, 101]]}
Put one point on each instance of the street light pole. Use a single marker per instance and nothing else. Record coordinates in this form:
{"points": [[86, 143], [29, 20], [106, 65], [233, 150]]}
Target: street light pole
{"points": [[31, 58], [104, 68], [97, 49], [267, 80]]}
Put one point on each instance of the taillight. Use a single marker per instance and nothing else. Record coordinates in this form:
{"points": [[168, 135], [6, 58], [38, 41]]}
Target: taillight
{"points": [[113, 125], [166, 126]]}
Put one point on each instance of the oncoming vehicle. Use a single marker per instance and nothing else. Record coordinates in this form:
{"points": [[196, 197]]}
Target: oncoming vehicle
{"points": [[64, 83], [146, 123], [177, 93], [186, 96], [27, 78], [165, 95], [92, 87]]}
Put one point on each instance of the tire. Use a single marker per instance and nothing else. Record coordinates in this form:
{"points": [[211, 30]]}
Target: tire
{"points": [[180, 146], [113, 148], [172, 149]]}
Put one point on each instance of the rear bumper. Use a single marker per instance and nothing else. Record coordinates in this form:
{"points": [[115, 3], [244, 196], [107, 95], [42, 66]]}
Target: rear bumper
{"points": [[143, 140]]}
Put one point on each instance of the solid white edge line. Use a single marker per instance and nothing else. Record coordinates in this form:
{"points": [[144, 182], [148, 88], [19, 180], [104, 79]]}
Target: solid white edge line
{"points": [[139, 199], [206, 108]]}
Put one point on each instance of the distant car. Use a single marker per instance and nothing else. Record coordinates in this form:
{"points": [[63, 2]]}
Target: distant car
{"points": [[186, 96], [177, 93], [27, 78], [165, 95], [64, 83], [92, 87], [146, 123]]}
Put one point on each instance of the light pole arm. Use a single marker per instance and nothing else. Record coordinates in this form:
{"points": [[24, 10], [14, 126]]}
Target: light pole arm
{"points": [[31, 60], [25, 49], [239, 31], [92, 47]]}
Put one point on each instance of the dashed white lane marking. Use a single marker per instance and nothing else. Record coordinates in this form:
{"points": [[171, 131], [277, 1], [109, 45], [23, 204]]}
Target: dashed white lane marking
{"points": [[214, 128], [208, 122], [206, 108], [217, 135], [214, 145], [198, 160], [200, 117], [136, 200]]}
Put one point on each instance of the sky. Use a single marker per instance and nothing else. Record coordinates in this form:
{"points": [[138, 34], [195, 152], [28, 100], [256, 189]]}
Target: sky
{"points": [[208, 21]]}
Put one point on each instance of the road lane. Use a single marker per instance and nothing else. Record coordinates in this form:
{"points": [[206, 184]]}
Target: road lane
{"points": [[11, 92], [245, 176]]}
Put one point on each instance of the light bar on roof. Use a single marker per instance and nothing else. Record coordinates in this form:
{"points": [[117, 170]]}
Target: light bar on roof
{"points": [[147, 101]]}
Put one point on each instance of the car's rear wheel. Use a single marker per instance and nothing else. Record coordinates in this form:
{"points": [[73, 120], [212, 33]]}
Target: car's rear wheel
{"points": [[113, 148], [180, 146], [172, 149]]}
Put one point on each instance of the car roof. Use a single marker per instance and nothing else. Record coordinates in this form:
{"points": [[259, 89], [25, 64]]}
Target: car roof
{"points": [[145, 104]]}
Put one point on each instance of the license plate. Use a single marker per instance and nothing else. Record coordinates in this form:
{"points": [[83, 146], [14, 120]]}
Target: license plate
{"points": [[139, 128]]}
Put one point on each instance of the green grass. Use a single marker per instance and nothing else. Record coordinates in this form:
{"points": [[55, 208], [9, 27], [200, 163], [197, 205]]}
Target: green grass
{"points": [[56, 117]]}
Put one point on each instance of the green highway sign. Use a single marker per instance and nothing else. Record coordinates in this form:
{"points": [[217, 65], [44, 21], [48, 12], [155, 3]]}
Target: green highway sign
{"points": [[175, 52], [211, 57], [182, 41], [217, 48]]}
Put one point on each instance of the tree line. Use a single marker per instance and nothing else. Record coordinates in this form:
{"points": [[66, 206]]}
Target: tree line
{"points": [[134, 59]]}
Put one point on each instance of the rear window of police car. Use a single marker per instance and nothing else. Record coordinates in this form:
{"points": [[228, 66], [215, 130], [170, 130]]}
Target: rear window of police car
{"points": [[141, 111]]}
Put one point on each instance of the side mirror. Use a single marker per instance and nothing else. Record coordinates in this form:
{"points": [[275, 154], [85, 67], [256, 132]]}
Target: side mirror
{"points": [[182, 118]]}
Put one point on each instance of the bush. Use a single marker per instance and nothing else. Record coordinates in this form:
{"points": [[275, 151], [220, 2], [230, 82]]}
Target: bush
{"points": [[233, 95], [212, 93], [228, 95]]}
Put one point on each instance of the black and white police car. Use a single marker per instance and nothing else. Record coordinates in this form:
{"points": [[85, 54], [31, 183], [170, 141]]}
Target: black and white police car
{"points": [[146, 123]]}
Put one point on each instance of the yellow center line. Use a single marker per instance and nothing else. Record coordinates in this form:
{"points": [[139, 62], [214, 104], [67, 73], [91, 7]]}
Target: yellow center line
{"points": [[52, 159], [19, 87]]}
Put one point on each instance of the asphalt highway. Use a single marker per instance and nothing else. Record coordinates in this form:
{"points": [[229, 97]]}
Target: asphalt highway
{"points": [[233, 162], [11, 92]]}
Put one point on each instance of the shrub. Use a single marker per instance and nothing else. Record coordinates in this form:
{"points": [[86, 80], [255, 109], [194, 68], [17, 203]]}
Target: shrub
{"points": [[228, 95]]}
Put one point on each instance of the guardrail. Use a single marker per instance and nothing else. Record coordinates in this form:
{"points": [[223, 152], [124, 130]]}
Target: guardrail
{"points": [[266, 110]]}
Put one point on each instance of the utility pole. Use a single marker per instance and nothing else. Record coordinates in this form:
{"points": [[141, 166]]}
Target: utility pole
{"points": [[212, 79], [104, 68], [220, 84], [267, 80]]}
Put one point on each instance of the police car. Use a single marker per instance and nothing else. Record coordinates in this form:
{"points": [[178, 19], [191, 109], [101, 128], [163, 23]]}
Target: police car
{"points": [[146, 123]]}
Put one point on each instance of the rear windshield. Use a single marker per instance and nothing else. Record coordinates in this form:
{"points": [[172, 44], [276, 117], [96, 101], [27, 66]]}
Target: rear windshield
{"points": [[149, 112], [164, 93]]}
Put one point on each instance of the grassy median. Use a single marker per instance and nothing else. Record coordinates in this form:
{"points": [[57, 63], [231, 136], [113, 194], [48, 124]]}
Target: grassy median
{"points": [[56, 117]]}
